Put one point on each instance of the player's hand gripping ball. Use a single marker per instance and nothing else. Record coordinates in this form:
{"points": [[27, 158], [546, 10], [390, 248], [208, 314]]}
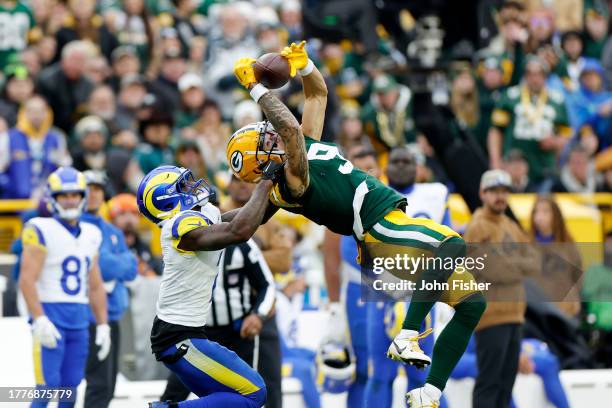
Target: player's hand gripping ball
{"points": [[243, 69], [272, 70], [296, 55]]}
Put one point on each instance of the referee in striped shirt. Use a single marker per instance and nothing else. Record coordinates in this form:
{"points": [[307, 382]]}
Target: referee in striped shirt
{"points": [[243, 298]]}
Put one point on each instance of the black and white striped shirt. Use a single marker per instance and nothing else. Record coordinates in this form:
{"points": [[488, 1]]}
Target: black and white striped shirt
{"points": [[244, 285]]}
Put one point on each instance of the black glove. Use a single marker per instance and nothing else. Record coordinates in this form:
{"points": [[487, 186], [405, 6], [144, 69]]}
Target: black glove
{"points": [[272, 171]]}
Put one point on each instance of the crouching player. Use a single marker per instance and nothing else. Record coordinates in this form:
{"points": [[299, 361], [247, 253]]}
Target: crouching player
{"points": [[191, 243]]}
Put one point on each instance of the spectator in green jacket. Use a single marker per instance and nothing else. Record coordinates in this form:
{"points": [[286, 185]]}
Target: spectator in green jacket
{"points": [[387, 117], [597, 294], [157, 133]]}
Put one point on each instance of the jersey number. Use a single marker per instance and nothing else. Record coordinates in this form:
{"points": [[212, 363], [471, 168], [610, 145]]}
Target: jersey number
{"points": [[71, 268], [319, 151]]}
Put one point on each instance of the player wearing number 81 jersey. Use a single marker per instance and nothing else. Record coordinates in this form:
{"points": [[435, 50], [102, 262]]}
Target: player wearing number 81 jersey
{"points": [[59, 279]]}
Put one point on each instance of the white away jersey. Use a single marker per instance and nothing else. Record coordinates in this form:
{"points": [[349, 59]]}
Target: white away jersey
{"points": [[427, 200], [188, 278], [65, 274]]}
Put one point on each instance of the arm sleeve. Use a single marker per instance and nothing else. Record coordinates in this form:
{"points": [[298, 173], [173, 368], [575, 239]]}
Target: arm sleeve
{"points": [[260, 279]]}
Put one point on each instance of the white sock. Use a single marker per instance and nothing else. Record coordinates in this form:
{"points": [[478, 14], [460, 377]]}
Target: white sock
{"points": [[407, 334], [433, 392]]}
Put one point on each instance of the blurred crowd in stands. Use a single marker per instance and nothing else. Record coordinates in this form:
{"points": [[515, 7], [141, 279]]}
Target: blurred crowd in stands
{"points": [[123, 86]]}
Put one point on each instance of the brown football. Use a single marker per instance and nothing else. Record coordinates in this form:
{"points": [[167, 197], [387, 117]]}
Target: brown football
{"points": [[272, 70]]}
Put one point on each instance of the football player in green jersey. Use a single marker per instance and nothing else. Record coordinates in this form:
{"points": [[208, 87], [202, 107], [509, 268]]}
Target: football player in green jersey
{"points": [[325, 187]]}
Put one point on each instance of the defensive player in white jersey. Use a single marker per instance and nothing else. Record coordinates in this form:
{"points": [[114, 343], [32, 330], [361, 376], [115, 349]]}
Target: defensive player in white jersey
{"points": [[60, 278], [193, 234]]}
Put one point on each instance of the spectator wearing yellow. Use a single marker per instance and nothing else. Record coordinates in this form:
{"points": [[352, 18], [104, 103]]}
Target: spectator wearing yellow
{"points": [[532, 118], [387, 117], [30, 151], [82, 23]]}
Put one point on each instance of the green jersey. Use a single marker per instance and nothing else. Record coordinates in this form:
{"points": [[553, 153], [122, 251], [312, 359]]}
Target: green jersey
{"points": [[15, 24], [525, 120], [344, 199]]}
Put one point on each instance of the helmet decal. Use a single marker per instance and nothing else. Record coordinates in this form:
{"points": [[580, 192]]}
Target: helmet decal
{"points": [[236, 161], [246, 154], [167, 190]]}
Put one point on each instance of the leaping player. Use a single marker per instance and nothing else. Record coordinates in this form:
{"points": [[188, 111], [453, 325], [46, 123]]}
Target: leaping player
{"points": [[320, 184]]}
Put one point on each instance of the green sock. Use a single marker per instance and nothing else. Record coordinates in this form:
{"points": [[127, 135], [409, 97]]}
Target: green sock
{"points": [[454, 339], [423, 300]]}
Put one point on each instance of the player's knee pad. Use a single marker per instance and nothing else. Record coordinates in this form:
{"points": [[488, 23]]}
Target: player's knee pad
{"points": [[471, 309]]}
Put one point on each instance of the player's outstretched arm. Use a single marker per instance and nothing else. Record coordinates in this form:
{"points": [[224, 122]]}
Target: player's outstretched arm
{"points": [[289, 130], [315, 102], [284, 123], [239, 229], [315, 89]]}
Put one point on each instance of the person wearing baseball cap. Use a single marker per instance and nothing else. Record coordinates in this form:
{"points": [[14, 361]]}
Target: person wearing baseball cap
{"points": [[388, 115], [498, 334], [117, 265], [191, 87]]}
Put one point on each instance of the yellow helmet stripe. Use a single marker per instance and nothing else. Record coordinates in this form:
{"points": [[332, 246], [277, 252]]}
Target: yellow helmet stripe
{"points": [[166, 177]]}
